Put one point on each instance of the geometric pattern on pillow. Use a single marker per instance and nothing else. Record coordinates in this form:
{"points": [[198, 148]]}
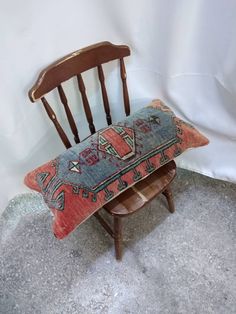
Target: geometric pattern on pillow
{"points": [[88, 175]]}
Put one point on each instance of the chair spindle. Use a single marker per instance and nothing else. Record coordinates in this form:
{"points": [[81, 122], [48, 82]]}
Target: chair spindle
{"points": [[57, 125], [104, 94], [125, 89], [68, 114], [87, 109]]}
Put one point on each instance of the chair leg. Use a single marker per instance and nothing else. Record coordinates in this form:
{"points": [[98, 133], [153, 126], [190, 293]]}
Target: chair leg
{"points": [[118, 237], [169, 196]]}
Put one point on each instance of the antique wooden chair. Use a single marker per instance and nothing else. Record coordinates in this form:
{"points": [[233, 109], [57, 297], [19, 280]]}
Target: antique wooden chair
{"points": [[73, 65]]}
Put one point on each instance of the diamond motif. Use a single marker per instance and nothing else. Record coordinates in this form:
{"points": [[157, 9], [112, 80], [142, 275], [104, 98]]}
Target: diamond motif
{"points": [[74, 166]]}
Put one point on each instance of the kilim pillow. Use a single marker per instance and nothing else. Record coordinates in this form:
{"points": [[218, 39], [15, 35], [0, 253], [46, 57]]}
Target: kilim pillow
{"points": [[88, 175]]}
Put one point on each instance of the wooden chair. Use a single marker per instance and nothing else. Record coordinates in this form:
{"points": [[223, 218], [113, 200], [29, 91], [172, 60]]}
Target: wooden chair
{"points": [[73, 65]]}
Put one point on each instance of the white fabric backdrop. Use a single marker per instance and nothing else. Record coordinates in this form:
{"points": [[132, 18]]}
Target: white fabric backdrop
{"points": [[183, 52]]}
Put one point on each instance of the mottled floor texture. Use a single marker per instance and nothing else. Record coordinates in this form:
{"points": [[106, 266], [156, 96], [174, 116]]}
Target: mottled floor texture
{"points": [[179, 263]]}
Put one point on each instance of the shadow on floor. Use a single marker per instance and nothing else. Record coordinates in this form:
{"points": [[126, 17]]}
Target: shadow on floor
{"points": [[173, 263]]}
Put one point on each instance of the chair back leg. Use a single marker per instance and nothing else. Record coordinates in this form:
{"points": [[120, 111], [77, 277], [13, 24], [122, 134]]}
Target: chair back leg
{"points": [[169, 196], [118, 237]]}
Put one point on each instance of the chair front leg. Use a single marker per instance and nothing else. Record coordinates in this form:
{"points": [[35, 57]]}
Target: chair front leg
{"points": [[118, 237], [169, 196]]}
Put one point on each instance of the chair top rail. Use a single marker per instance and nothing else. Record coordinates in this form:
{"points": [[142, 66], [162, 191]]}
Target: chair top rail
{"points": [[75, 63]]}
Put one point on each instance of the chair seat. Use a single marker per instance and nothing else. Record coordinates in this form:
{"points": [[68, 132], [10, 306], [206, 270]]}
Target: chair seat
{"points": [[138, 195]]}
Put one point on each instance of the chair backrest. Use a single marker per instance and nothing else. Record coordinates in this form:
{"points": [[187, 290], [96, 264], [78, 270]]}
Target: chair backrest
{"points": [[73, 65]]}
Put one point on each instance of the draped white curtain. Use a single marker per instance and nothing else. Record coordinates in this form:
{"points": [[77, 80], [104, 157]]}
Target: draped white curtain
{"points": [[183, 52]]}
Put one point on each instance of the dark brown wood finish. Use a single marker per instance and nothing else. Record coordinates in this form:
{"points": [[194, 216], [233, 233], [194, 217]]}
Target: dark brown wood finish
{"points": [[87, 109], [125, 89], [58, 127], [118, 237], [74, 64], [68, 114], [169, 196], [104, 94], [143, 192]]}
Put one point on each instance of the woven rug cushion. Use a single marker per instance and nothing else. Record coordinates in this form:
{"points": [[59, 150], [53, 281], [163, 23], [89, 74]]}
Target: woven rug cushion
{"points": [[85, 177]]}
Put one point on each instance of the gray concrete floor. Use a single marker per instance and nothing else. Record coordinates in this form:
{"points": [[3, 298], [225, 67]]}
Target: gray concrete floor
{"points": [[179, 263]]}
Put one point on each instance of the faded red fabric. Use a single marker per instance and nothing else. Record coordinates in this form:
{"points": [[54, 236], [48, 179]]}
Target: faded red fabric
{"points": [[84, 178]]}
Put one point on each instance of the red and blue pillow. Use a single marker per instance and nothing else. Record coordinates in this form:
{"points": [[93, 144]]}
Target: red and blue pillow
{"points": [[88, 175]]}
